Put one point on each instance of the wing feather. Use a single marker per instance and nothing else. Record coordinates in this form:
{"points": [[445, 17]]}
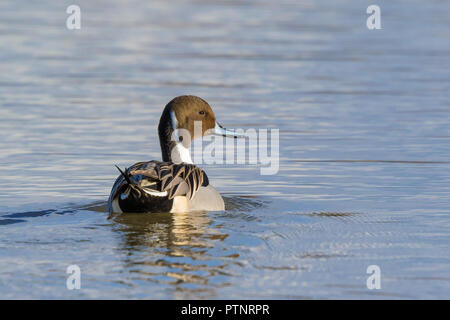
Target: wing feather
{"points": [[155, 176]]}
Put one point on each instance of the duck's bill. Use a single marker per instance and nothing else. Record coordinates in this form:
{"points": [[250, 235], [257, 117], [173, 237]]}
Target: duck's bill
{"points": [[218, 130]]}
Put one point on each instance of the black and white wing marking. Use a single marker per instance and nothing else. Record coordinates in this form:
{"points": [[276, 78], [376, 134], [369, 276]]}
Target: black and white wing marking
{"points": [[146, 185]]}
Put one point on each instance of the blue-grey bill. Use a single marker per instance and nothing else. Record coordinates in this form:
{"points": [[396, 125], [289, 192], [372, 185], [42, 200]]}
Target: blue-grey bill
{"points": [[218, 130]]}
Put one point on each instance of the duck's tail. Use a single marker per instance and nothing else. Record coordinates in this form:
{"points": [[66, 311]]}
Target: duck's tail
{"points": [[125, 175], [131, 196]]}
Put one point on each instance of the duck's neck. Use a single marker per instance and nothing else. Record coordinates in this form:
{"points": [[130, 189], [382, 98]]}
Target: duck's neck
{"points": [[171, 147], [181, 154]]}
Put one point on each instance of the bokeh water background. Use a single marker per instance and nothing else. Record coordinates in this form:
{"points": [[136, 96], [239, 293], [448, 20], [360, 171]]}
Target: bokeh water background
{"points": [[364, 119]]}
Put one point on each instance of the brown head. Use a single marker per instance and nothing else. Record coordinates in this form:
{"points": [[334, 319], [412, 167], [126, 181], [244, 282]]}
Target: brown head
{"points": [[187, 110], [185, 115]]}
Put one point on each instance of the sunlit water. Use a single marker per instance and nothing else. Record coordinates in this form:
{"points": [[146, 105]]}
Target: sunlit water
{"points": [[364, 120]]}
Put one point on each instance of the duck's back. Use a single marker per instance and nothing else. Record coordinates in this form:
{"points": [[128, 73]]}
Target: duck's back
{"points": [[156, 186]]}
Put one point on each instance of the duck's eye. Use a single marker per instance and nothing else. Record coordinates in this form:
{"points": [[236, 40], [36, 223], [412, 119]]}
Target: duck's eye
{"points": [[201, 112]]}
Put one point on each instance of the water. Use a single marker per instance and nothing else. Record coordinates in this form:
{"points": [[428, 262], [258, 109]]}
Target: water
{"points": [[364, 148]]}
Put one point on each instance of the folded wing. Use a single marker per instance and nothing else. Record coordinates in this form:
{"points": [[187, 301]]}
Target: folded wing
{"points": [[152, 180]]}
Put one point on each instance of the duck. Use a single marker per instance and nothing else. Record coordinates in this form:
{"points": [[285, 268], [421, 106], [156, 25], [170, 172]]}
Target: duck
{"points": [[174, 184]]}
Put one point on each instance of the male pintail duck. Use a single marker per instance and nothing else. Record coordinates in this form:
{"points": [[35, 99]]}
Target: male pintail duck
{"points": [[175, 184]]}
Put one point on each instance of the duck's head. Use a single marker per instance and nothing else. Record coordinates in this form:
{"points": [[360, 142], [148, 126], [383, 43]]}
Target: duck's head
{"points": [[185, 118]]}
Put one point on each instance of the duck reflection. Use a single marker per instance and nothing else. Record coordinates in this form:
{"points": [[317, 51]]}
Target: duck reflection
{"points": [[183, 250]]}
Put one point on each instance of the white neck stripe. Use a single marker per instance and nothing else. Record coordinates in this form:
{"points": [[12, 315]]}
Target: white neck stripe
{"points": [[174, 122], [180, 154]]}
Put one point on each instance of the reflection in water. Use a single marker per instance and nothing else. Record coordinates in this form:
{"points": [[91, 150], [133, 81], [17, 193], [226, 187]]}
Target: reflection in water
{"points": [[185, 253], [177, 249]]}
